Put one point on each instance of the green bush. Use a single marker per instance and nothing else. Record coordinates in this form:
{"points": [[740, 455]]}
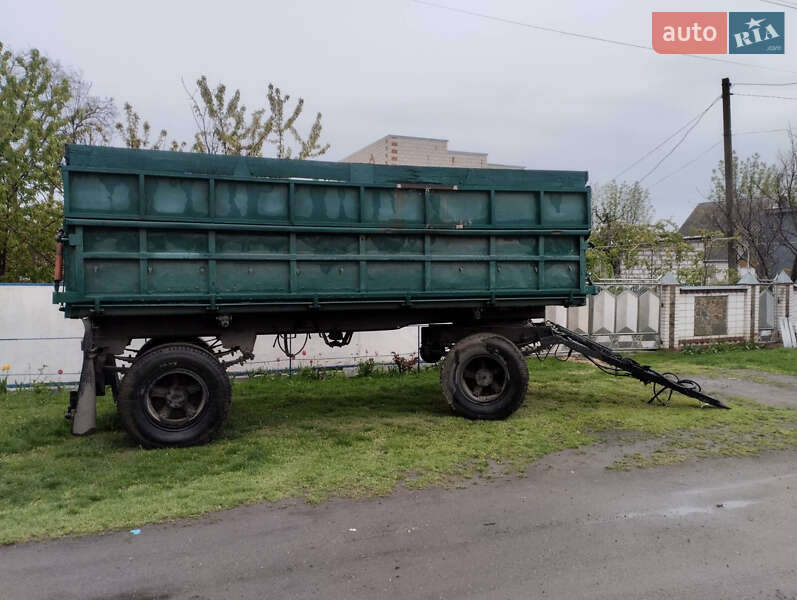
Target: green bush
{"points": [[366, 368]]}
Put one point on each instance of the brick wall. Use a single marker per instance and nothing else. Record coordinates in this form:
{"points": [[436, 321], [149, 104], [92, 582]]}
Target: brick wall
{"points": [[653, 263]]}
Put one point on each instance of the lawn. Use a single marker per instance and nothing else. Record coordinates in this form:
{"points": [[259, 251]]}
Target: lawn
{"points": [[314, 439], [775, 360]]}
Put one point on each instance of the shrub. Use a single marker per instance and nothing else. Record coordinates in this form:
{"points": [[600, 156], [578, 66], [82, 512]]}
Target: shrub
{"points": [[404, 365], [366, 368]]}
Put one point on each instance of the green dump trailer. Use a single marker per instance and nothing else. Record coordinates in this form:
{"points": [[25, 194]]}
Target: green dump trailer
{"points": [[198, 254]]}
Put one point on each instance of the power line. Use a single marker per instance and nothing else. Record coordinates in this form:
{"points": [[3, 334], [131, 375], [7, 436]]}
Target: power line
{"points": [[768, 96], [585, 36], [768, 84], [689, 163], [652, 150], [691, 122], [781, 3], [681, 141], [709, 149]]}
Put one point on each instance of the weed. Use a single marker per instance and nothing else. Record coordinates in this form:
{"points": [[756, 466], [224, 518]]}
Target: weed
{"points": [[366, 368], [404, 364]]}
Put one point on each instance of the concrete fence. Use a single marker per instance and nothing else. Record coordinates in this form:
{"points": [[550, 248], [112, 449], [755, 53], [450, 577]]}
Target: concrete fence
{"points": [[647, 314], [40, 345]]}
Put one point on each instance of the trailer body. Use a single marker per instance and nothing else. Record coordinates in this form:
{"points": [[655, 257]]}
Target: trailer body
{"points": [[152, 232]]}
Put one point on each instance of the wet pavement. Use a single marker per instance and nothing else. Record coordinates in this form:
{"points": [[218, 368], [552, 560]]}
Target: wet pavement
{"points": [[569, 529]]}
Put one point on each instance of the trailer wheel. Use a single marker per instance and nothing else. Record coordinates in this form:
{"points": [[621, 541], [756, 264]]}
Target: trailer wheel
{"points": [[153, 343], [484, 377], [174, 395]]}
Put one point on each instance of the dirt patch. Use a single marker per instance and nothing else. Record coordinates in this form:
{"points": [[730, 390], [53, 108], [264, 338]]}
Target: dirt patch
{"points": [[770, 389]]}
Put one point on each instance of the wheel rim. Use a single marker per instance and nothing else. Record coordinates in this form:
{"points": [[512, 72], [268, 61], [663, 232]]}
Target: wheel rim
{"points": [[176, 399], [484, 378]]}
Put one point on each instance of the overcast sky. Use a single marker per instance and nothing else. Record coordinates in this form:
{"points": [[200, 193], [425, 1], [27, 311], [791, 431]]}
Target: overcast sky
{"points": [[373, 67]]}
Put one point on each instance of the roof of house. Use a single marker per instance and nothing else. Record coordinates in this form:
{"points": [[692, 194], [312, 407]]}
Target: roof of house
{"points": [[703, 216]]}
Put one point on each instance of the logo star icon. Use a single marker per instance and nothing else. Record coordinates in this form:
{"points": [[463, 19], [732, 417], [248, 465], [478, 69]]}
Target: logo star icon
{"points": [[754, 23]]}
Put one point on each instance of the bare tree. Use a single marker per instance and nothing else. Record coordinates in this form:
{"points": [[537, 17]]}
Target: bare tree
{"points": [[784, 199], [753, 211], [89, 119]]}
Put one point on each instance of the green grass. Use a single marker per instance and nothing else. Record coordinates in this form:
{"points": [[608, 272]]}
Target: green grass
{"points": [[358, 437], [774, 360]]}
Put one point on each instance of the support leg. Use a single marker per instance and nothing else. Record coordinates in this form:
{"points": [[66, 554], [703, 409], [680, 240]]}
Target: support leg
{"points": [[84, 418]]}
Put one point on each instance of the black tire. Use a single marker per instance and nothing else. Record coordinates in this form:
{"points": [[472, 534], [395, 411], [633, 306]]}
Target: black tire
{"points": [[174, 395], [484, 377], [153, 343]]}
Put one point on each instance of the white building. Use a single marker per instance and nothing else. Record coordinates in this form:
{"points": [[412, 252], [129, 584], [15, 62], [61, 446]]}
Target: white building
{"points": [[420, 151]]}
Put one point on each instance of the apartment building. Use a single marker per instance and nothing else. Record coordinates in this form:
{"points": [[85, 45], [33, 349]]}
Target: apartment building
{"points": [[423, 152]]}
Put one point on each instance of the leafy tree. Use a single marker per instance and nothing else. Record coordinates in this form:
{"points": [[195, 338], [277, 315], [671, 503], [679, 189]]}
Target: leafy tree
{"points": [[34, 100], [136, 134], [310, 146], [223, 125], [623, 236], [697, 270]]}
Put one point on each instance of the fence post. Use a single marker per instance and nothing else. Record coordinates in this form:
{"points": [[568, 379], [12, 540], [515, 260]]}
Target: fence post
{"points": [[669, 289], [782, 286], [751, 302]]}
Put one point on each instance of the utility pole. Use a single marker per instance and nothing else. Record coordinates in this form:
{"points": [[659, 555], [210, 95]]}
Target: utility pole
{"points": [[730, 187]]}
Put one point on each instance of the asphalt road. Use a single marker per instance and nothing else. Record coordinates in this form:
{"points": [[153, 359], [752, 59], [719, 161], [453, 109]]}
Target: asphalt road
{"points": [[569, 529]]}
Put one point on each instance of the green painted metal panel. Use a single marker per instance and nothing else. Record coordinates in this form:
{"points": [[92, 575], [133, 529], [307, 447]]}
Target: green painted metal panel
{"points": [[332, 276], [177, 241], [234, 276], [329, 244], [560, 245], [394, 206], [241, 200], [149, 228], [460, 275], [95, 194], [394, 276], [251, 243], [459, 207], [525, 245], [111, 276], [110, 239], [561, 275], [565, 209], [448, 245], [516, 208], [516, 275], [395, 244], [178, 276], [175, 196], [324, 204]]}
